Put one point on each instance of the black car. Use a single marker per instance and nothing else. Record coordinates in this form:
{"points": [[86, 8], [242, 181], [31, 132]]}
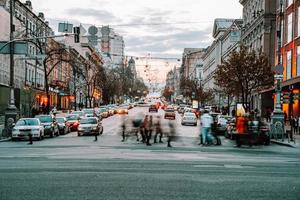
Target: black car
{"points": [[50, 125]]}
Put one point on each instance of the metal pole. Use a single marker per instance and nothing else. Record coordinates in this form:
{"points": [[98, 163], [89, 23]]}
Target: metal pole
{"points": [[12, 62]]}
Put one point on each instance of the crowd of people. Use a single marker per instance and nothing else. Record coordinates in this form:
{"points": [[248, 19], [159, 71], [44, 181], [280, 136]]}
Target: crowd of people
{"points": [[147, 128]]}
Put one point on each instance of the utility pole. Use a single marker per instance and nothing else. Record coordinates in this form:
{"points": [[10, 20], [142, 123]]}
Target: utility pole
{"points": [[11, 112], [278, 116]]}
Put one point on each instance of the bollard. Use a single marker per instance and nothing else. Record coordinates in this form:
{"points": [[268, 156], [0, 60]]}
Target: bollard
{"points": [[30, 138], [96, 138]]}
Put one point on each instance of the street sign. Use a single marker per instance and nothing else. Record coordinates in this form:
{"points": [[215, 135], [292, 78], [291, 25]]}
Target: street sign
{"points": [[279, 69], [20, 47], [278, 76]]}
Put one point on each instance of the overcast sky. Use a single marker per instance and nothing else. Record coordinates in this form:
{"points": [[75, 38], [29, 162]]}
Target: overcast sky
{"points": [[183, 23]]}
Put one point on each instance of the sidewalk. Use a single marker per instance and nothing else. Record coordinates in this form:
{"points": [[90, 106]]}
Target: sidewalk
{"points": [[285, 142]]}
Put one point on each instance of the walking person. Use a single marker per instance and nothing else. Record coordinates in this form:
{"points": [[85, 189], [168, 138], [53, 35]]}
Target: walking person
{"points": [[149, 130], [158, 130], [172, 133], [296, 125], [146, 128], [206, 123]]}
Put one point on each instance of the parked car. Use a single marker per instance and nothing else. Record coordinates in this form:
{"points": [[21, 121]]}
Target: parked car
{"points": [[73, 121], [50, 125], [111, 110], [153, 108], [189, 118], [62, 125], [26, 126], [170, 113], [90, 126]]}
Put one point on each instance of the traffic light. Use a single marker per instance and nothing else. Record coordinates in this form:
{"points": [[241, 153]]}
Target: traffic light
{"points": [[281, 98], [76, 34]]}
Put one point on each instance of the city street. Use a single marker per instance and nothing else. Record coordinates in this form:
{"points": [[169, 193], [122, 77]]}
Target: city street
{"points": [[72, 167]]}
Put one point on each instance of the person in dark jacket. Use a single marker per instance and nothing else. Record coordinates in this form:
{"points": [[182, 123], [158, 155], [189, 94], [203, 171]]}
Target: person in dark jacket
{"points": [[158, 130]]}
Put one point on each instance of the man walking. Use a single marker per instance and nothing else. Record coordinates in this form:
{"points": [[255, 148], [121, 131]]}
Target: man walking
{"points": [[206, 122]]}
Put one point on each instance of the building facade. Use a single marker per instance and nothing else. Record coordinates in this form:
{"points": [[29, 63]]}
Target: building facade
{"points": [[259, 33], [226, 33], [290, 52], [29, 73]]}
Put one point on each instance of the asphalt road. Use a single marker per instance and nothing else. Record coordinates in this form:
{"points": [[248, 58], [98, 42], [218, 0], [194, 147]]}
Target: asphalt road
{"points": [[71, 167]]}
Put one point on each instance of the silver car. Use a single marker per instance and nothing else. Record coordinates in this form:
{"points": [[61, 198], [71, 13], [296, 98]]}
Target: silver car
{"points": [[26, 126], [90, 126]]}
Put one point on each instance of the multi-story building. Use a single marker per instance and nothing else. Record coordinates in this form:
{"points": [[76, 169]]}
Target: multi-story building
{"points": [[290, 51], [29, 73], [258, 33], [191, 60], [226, 33]]}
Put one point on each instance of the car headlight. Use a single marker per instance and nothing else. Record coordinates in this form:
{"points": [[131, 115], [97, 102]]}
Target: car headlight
{"points": [[95, 128], [80, 129]]}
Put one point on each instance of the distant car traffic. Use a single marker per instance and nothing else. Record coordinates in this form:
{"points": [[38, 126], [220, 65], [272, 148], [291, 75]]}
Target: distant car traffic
{"points": [[50, 125], [73, 121], [26, 126], [90, 126], [189, 118], [122, 110], [80, 113], [153, 108], [88, 111], [170, 113]]}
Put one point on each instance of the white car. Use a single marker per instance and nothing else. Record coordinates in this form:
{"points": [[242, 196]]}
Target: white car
{"points": [[26, 126], [189, 118], [221, 123]]}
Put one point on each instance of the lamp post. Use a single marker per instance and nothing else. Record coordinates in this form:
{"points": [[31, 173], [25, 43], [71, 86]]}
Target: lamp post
{"points": [[278, 116], [11, 112]]}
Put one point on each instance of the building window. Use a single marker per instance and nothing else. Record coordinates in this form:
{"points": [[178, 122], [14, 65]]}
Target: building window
{"points": [[290, 28], [298, 60], [289, 65], [298, 21], [289, 2]]}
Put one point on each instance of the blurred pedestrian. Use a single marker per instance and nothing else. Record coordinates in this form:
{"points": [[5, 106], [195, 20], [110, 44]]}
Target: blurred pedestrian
{"points": [[146, 128], [206, 123], [172, 133], [241, 128], [158, 130], [149, 130]]}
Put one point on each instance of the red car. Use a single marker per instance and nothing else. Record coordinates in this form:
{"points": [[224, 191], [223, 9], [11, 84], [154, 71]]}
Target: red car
{"points": [[73, 121]]}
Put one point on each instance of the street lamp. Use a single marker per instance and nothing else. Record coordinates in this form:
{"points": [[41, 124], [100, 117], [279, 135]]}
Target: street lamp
{"points": [[278, 116], [11, 112]]}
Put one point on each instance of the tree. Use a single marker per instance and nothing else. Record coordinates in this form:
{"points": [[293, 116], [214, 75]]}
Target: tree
{"points": [[193, 89], [244, 73]]}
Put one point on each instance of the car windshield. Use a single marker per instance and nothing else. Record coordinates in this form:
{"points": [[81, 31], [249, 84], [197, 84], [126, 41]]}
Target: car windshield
{"points": [[45, 119], [60, 120], [27, 122], [189, 114], [72, 117], [88, 121], [169, 110]]}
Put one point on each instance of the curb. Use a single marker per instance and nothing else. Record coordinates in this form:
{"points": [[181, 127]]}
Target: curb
{"points": [[282, 144], [5, 140]]}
